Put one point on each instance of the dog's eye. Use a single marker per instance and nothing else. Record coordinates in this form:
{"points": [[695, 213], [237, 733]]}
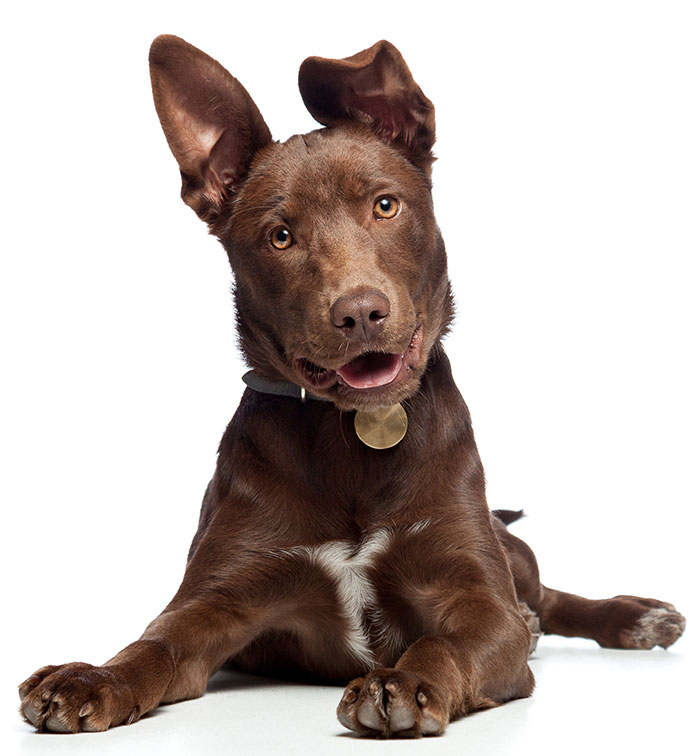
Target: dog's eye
{"points": [[281, 238], [386, 207]]}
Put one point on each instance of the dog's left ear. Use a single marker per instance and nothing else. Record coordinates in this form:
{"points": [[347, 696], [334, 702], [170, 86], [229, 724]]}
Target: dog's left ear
{"points": [[374, 87]]}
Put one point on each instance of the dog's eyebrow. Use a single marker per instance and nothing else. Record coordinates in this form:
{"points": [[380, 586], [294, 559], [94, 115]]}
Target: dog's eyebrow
{"points": [[272, 206], [279, 208], [354, 186], [276, 201]]}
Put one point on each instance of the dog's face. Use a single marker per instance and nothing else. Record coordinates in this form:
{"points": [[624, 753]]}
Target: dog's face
{"points": [[341, 282]]}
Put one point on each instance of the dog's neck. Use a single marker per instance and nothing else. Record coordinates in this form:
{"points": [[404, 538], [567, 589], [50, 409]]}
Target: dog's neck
{"points": [[313, 445], [378, 429], [437, 379]]}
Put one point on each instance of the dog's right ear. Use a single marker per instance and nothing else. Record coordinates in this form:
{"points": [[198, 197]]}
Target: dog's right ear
{"points": [[211, 123]]}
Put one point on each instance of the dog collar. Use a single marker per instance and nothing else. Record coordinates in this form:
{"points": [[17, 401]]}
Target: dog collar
{"points": [[378, 429], [278, 388]]}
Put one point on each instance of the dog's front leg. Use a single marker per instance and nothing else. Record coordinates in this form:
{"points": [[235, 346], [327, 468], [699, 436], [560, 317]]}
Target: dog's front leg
{"points": [[477, 659], [229, 594], [171, 661]]}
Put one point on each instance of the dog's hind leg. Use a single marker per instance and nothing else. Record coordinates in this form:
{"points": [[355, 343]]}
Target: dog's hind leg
{"points": [[618, 622]]}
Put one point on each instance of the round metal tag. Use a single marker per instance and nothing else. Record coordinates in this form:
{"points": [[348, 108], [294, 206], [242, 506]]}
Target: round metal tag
{"points": [[381, 428]]}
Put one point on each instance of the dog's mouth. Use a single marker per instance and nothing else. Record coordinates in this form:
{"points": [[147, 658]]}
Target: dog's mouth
{"points": [[370, 370], [367, 371]]}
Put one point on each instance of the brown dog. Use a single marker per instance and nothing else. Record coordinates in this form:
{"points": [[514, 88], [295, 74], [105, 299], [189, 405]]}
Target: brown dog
{"points": [[345, 533]]}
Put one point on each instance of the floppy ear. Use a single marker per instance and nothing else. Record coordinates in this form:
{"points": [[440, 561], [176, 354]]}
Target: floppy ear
{"points": [[211, 123], [374, 87]]}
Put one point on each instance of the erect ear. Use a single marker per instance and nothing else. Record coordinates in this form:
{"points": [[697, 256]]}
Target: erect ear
{"points": [[211, 123], [376, 88]]}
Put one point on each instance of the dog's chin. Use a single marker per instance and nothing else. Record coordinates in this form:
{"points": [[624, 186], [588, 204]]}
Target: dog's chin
{"points": [[370, 380]]}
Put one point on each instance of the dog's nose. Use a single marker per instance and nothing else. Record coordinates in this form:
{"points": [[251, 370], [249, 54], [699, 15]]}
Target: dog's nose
{"points": [[362, 315]]}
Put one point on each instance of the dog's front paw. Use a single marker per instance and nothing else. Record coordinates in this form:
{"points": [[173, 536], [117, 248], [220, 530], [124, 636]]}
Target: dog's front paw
{"points": [[75, 697], [392, 703]]}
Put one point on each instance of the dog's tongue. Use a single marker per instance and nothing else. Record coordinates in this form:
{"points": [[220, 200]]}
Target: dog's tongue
{"points": [[371, 370]]}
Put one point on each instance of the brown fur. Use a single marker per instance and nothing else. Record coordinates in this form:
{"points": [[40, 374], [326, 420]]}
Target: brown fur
{"points": [[455, 598]]}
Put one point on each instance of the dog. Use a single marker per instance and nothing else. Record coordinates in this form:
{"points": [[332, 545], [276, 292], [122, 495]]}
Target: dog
{"points": [[345, 535]]}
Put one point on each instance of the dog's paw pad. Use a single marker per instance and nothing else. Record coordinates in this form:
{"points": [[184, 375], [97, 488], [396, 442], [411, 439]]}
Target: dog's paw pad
{"points": [[368, 716], [661, 626], [391, 703]]}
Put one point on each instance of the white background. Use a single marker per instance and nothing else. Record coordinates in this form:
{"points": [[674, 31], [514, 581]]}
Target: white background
{"points": [[567, 188]]}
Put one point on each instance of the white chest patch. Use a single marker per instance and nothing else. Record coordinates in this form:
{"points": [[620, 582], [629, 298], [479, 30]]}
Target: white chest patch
{"points": [[348, 566]]}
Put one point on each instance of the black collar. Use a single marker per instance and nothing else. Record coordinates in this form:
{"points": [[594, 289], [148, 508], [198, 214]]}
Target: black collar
{"points": [[278, 388]]}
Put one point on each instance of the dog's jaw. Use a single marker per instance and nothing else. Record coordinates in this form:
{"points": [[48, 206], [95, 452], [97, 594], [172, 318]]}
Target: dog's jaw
{"points": [[371, 379]]}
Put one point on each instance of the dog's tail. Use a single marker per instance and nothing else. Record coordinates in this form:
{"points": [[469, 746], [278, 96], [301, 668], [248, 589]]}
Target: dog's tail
{"points": [[506, 516]]}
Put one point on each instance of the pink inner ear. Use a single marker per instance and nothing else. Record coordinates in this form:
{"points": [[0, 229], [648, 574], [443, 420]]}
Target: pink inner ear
{"points": [[389, 117], [225, 159]]}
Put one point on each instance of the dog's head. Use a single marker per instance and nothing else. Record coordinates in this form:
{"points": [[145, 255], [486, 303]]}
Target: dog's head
{"points": [[340, 270]]}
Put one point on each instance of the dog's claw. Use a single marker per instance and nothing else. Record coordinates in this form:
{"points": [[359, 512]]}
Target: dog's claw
{"points": [[134, 716], [28, 685]]}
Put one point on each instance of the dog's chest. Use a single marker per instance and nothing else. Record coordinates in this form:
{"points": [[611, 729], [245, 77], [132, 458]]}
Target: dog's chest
{"points": [[357, 572]]}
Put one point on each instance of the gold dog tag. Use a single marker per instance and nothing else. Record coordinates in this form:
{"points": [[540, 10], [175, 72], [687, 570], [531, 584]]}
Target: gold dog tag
{"points": [[382, 428]]}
